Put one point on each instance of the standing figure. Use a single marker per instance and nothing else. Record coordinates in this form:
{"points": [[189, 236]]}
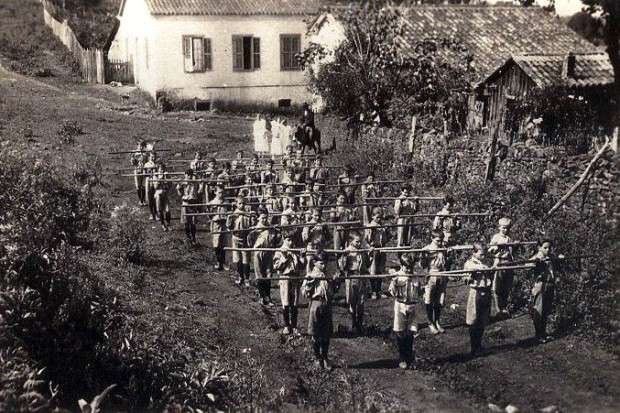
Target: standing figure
{"points": [[406, 291], [288, 264], [150, 167], [197, 164], [348, 184], [376, 237], [354, 262], [315, 246], [269, 176], [263, 237], [318, 173], [138, 159], [320, 291], [218, 224], [434, 260], [543, 291], [445, 221], [368, 190], [239, 223], [404, 206], [162, 204], [340, 213], [271, 203], [479, 300], [503, 280], [189, 192]]}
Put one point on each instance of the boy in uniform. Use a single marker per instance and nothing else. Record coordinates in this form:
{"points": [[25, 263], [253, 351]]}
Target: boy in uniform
{"points": [[479, 300], [197, 164], [404, 206], [376, 237], [239, 223], [288, 264], [435, 291], [368, 190], [543, 291], [405, 290], [354, 262], [189, 193], [503, 280], [218, 224], [347, 180], [269, 176], [318, 173], [315, 246], [320, 291], [444, 221], [161, 197], [340, 213], [263, 260], [138, 159], [271, 203], [150, 167]]}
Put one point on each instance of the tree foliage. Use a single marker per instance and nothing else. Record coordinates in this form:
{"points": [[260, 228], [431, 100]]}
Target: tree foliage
{"points": [[377, 74]]}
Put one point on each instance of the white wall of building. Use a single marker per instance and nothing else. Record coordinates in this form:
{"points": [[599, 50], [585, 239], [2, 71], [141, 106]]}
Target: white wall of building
{"points": [[155, 44]]}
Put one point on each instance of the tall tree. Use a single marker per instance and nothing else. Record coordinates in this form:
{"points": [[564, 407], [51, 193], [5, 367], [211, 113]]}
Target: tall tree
{"points": [[608, 13], [376, 73]]}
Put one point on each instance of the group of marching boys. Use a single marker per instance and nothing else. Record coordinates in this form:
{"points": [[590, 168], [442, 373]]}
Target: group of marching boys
{"points": [[261, 209]]}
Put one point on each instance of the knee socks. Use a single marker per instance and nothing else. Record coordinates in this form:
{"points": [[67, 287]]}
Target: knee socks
{"points": [[193, 231], [316, 347], [140, 195], [324, 347], [286, 312], [430, 314], [400, 344], [168, 217], [294, 312], [437, 311], [188, 231]]}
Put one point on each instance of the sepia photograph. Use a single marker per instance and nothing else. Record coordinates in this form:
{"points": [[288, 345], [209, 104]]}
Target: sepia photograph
{"points": [[309, 206]]}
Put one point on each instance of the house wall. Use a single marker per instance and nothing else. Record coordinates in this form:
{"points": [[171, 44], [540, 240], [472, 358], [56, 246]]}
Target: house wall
{"points": [[155, 44], [512, 81]]}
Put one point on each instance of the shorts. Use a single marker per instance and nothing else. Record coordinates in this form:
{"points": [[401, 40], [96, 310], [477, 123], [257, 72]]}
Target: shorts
{"points": [[320, 319], [240, 256], [289, 292], [435, 290], [478, 307], [404, 317]]}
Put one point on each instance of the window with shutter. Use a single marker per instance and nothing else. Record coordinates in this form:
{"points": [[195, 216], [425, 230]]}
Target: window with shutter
{"points": [[290, 47], [187, 54], [208, 64], [246, 53]]}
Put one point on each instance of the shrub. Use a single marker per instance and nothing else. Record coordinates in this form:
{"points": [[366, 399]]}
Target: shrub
{"points": [[68, 131], [126, 242]]}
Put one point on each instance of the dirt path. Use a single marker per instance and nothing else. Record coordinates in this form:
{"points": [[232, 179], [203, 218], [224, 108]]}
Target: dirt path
{"points": [[569, 372]]}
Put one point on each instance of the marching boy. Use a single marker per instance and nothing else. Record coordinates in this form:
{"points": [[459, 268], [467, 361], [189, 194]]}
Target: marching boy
{"points": [[288, 264], [404, 206], [315, 246], [239, 223], [263, 260], [434, 260], [218, 224], [320, 291], [376, 237], [355, 262], [405, 291], [189, 193], [161, 197], [479, 300], [543, 291], [503, 280], [138, 159]]}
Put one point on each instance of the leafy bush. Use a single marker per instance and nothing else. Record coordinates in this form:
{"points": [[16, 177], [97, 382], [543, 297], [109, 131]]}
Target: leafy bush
{"points": [[127, 238], [68, 131]]}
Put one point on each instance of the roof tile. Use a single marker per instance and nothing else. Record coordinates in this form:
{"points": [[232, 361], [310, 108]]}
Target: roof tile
{"points": [[232, 7]]}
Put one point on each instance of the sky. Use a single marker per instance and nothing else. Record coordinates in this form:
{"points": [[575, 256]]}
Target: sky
{"points": [[562, 7]]}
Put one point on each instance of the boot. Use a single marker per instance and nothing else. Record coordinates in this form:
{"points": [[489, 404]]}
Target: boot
{"points": [[324, 353], [316, 347], [402, 354], [168, 217], [408, 344], [287, 320], [437, 311]]}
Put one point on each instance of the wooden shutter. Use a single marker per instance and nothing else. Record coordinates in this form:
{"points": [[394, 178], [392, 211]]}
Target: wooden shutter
{"points": [[188, 65], [256, 53], [198, 54], [237, 52], [283, 52], [208, 62]]}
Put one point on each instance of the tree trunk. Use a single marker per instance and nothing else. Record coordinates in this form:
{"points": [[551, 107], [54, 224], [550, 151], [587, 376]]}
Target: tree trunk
{"points": [[492, 160]]}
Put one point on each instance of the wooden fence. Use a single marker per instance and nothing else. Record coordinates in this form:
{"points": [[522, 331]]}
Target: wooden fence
{"points": [[119, 71], [91, 61]]}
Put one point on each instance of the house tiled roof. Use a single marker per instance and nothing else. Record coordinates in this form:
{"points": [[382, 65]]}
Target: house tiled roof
{"points": [[590, 69], [232, 7], [493, 33]]}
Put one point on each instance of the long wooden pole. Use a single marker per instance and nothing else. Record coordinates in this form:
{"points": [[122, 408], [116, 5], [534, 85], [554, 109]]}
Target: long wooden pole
{"points": [[465, 214], [285, 227], [395, 198], [574, 188], [139, 151]]}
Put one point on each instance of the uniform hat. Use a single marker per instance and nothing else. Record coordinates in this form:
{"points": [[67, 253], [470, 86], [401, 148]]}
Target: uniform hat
{"points": [[505, 222]]}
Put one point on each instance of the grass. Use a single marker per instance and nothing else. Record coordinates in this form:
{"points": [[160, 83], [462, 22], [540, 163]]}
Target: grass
{"points": [[27, 46]]}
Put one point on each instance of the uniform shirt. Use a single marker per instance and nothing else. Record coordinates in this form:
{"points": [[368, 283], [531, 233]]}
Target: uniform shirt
{"points": [[272, 204], [504, 253], [319, 174], [376, 237], [317, 289], [346, 179], [341, 214], [288, 217], [369, 190], [477, 279], [404, 206], [158, 184], [239, 221], [268, 177], [404, 289], [354, 262], [446, 223], [197, 164], [286, 261], [262, 238], [137, 160], [307, 118], [434, 260], [189, 191], [218, 221], [543, 270]]}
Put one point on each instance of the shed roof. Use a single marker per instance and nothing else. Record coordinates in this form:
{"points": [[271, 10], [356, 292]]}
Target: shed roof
{"points": [[494, 33], [232, 7], [589, 69]]}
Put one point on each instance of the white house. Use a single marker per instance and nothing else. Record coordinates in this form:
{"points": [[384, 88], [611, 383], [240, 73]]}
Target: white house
{"points": [[216, 50]]}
